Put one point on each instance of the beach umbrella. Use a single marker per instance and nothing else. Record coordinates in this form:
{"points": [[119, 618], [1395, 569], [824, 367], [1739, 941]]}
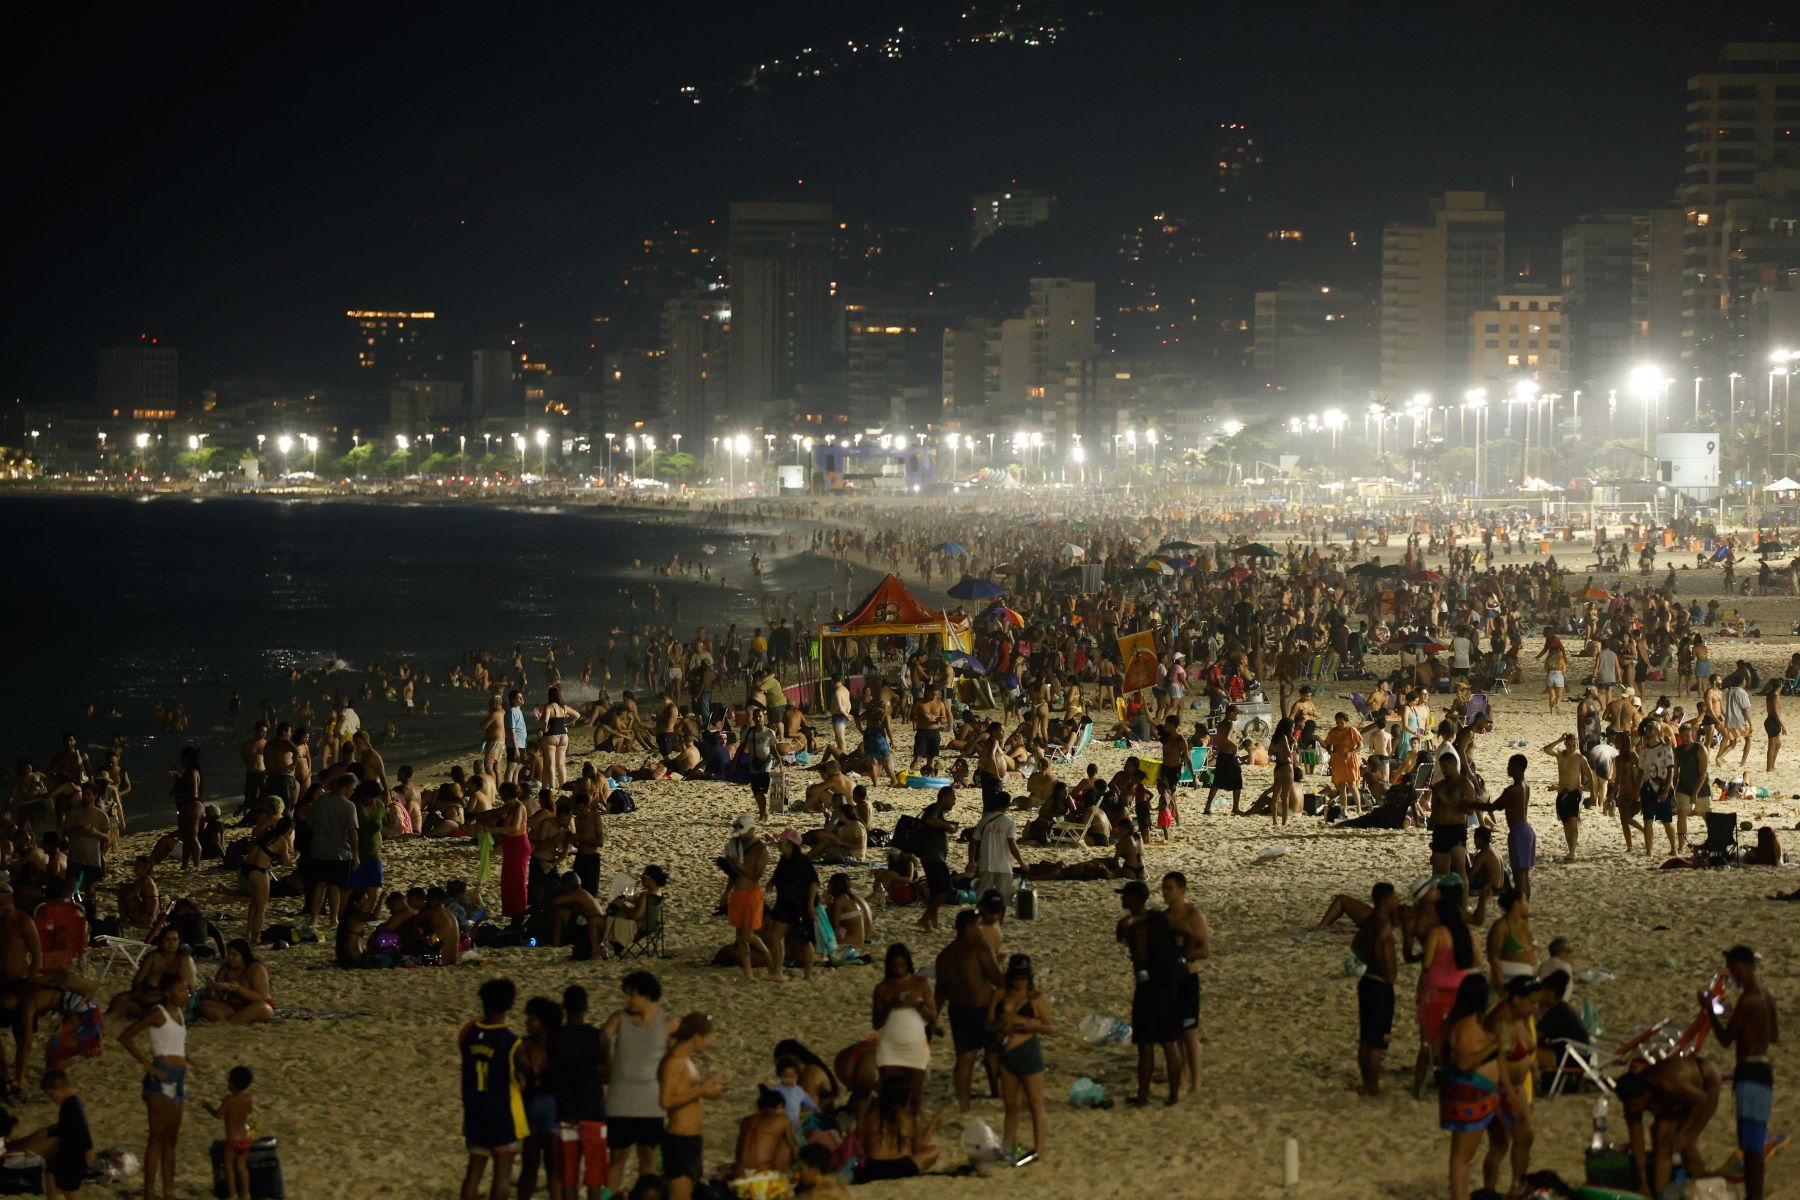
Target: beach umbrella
{"points": [[1180, 545], [971, 588], [1784, 484], [950, 548], [1428, 576], [1237, 573], [1594, 593], [1156, 566], [1074, 551], [968, 662], [1180, 564], [1006, 616], [1393, 570], [1369, 570], [1006, 569], [1254, 550]]}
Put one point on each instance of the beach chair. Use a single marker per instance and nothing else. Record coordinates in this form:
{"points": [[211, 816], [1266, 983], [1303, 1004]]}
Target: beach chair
{"points": [[1360, 703], [62, 934], [1477, 706], [1081, 745], [1577, 1064], [109, 950], [1071, 833], [648, 941], [1195, 771], [1791, 685]]}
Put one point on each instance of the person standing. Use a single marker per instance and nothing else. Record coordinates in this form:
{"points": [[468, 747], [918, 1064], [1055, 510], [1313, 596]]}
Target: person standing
{"points": [[578, 1072], [1155, 965], [186, 791], [1521, 838], [838, 706], [995, 849], [165, 1077], [333, 849], [1750, 1026], [557, 716], [1773, 727], [744, 861], [638, 1034], [254, 773], [1374, 946], [493, 1105], [796, 884], [1692, 789], [681, 1091], [515, 735], [968, 978], [1019, 1015], [902, 1010], [507, 823], [1195, 936], [760, 746]]}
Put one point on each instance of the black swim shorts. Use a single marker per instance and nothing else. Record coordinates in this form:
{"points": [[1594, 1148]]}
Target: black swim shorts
{"points": [[622, 1133], [1568, 804], [683, 1156], [968, 1027], [1187, 1001], [1374, 1011], [1445, 838]]}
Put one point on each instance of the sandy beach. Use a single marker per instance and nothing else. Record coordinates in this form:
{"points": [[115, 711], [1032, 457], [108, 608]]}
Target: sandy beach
{"points": [[358, 1076]]}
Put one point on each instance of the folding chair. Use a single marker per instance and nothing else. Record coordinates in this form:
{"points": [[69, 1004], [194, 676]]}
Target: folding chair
{"points": [[62, 934], [1195, 770], [1476, 707], [1081, 745], [1577, 1064], [648, 942], [1071, 833], [112, 949], [1360, 703]]}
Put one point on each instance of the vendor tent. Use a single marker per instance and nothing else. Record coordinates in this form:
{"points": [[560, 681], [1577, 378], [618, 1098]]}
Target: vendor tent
{"points": [[892, 609]]}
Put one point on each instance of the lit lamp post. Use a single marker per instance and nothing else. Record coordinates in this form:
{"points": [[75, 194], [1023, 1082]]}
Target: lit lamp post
{"points": [[1646, 383], [143, 445], [650, 454], [519, 445], [284, 443], [1151, 436], [1420, 411], [1525, 392], [402, 443], [543, 441], [951, 441], [260, 439], [462, 455], [631, 445], [1078, 456], [311, 442], [743, 449], [1784, 362], [609, 454], [1475, 401]]}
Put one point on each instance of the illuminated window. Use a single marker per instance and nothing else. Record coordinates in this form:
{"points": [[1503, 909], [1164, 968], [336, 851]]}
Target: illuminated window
{"points": [[1531, 360], [1512, 360]]}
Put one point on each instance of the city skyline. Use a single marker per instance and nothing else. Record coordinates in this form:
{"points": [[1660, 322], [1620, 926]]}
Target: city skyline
{"points": [[238, 218]]}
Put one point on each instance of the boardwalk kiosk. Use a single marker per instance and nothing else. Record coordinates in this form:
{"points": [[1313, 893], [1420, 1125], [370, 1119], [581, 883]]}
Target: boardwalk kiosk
{"points": [[889, 611]]}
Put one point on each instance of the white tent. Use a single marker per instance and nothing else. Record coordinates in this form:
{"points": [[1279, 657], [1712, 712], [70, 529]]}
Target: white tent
{"points": [[1784, 484]]}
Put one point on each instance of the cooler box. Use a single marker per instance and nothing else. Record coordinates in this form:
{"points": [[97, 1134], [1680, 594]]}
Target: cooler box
{"points": [[265, 1171], [1611, 1168]]}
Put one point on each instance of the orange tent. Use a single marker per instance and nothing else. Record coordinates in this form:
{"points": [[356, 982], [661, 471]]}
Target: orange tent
{"points": [[892, 609]]}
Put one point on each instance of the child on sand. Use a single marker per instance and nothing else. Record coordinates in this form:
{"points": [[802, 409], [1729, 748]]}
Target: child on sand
{"points": [[234, 1112]]}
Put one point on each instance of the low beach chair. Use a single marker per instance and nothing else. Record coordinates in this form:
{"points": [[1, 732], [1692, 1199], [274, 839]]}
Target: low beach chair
{"points": [[1360, 703], [1195, 771], [1577, 1064], [1071, 833], [648, 941], [109, 950], [1081, 744]]}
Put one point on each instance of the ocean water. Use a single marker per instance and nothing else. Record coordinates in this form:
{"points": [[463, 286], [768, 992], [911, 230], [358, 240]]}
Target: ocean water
{"points": [[126, 603]]}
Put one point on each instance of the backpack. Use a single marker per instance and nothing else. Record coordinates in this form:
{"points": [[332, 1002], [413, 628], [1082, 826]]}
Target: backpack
{"points": [[619, 802], [906, 832]]}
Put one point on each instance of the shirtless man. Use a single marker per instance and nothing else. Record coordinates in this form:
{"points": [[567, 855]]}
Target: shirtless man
{"points": [[589, 837], [279, 755], [667, 717], [1374, 945], [1627, 788], [1680, 1094], [968, 975], [139, 901], [1452, 800], [746, 859], [837, 706], [1572, 774], [254, 772], [1174, 757], [1751, 1026], [1191, 930], [435, 921], [682, 1089], [929, 717], [369, 758], [1521, 839], [832, 788]]}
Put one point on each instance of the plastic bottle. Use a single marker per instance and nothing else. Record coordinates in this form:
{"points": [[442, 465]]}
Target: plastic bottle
{"points": [[1290, 1161], [1598, 1141]]}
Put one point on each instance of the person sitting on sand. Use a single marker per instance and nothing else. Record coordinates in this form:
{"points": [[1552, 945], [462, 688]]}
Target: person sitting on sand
{"points": [[239, 994], [842, 839], [851, 918], [897, 1140], [766, 1137], [833, 786], [352, 927], [568, 902], [145, 993], [139, 901]]}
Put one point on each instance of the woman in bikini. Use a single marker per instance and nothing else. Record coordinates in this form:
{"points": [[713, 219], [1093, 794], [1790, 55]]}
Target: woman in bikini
{"points": [[765, 1138], [1470, 1083], [557, 717], [1448, 955], [239, 994], [1018, 1015], [896, 1139], [1772, 724], [146, 990], [1514, 1024], [269, 848], [1510, 949]]}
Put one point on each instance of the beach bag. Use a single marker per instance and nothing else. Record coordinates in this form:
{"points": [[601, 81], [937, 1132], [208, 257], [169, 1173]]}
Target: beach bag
{"points": [[905, 833], [620, 802], [79, 1036]]}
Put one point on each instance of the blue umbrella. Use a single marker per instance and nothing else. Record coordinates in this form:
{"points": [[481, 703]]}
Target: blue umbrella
{"points": [[968, 662], [971, 588], [950, 548]]}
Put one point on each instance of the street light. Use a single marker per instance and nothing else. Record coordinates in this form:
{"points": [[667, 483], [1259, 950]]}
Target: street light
{"points": [[1475, 401], [402, 443], [142, 441], [1646, 383], [1525, 392], [519, 445], [311, 442], [284, 443], [543, 441], [631, 445]]}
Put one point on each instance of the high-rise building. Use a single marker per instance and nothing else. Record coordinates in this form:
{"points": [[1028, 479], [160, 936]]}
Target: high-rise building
{"points": [[893, 348], [1315, 339], [420, 406], [394, 345], [1019, 208], [782, 307], [1006, 363], [495, 384], [137, 381], [1240, 162], [965, 371], [1062, 326], [1621, 289], [694, 331], [1158, 303], [1521, 337], [1740, 195], [1434, 277]]}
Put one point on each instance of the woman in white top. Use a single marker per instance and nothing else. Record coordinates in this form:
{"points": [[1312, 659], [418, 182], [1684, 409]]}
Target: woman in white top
{"points": [[903, 1008], [165, 1076]]}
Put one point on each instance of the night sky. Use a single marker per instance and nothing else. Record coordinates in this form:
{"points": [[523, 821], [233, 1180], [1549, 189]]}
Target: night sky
{"points": [[233, 177]]}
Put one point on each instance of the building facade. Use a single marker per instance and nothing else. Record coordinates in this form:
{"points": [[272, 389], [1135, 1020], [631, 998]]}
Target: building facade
{"points": [[138, 381], [782, 307], [1434, 277], [1521, 338], [1017, 208], [1314, 339]]}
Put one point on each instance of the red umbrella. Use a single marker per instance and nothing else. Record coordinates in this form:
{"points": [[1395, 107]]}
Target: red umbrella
{"points": [[1595, 593], [1006, 569], [1428, 576]]}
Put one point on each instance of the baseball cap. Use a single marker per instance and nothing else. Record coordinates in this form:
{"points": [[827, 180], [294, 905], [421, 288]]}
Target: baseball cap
{"points": [[1137, 888]]}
